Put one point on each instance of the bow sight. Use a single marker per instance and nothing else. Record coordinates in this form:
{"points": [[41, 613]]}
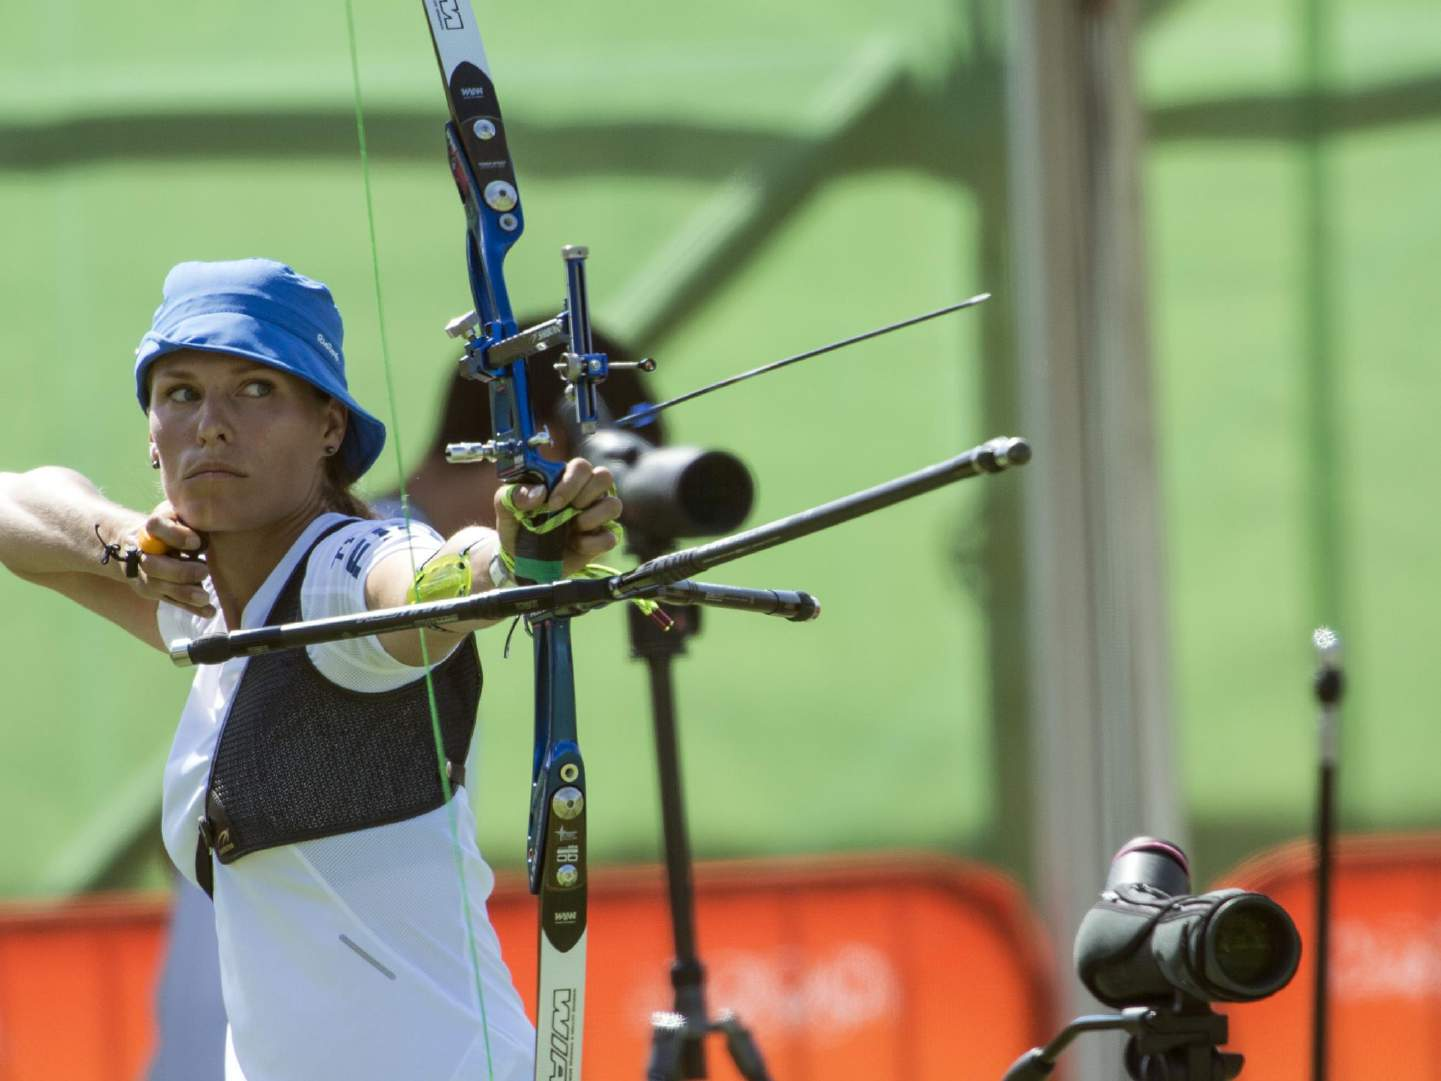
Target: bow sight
{"points": [[489, 357]]}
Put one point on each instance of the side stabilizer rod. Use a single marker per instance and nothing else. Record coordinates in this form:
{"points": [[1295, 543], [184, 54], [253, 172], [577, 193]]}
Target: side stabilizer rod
{"points": [[664, 578]]}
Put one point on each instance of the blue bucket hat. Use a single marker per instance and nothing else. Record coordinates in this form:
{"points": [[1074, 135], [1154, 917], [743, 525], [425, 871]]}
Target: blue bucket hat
{"points": [[265, 311]]}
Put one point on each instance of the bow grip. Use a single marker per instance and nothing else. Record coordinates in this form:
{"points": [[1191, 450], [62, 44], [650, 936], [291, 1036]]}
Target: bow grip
{"points": [[539, 551], [539, 554]]}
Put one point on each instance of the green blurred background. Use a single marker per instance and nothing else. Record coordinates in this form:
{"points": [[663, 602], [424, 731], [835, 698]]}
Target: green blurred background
{"points": [[753, 179]]}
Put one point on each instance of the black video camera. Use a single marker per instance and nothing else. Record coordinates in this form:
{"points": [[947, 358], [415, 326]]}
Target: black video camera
{"points": [[1148, 939], [672, 492], [1163, 955]]}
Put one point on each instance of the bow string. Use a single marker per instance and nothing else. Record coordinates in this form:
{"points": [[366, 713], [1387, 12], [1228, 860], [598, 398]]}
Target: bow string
{"points": [[457, 852]]}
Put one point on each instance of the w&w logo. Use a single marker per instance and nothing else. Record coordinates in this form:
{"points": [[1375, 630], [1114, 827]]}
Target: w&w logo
{"points": [[448, 12]]}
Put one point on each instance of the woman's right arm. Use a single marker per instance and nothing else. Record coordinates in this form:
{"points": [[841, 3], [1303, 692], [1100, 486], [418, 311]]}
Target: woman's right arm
{"points": [[48, 520]]}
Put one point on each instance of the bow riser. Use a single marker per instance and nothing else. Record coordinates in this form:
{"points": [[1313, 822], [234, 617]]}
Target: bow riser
{"points": [[496, 353]]}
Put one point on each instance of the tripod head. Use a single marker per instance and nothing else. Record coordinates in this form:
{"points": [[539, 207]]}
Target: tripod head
{"points": [[1173, 1044], [1182, 1044]]}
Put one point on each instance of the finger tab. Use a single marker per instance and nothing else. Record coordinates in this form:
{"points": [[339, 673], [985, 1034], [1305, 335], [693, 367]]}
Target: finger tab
{"points": [[151, 544]]}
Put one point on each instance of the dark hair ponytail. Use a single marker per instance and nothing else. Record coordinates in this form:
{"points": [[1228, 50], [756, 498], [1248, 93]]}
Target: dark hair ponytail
{"points": [[339, 495]]}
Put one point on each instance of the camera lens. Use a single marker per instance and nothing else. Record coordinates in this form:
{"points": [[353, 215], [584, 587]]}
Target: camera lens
{"points": [[716, 491], [1253, 946]]}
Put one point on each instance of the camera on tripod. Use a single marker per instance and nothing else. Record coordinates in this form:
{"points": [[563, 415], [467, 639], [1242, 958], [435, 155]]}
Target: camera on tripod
{"points": [[672, 492], [1147, 940], [1163, 955]]}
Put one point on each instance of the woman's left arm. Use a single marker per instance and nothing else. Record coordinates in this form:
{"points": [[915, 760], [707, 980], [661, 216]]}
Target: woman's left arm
{"points": [[587, 488]]}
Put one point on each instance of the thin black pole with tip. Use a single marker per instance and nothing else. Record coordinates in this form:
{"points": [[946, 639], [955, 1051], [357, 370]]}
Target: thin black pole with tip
{"points": [[1329, 687]]}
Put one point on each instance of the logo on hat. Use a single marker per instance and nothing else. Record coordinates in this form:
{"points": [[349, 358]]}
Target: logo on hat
{"points": [[334, 353]]}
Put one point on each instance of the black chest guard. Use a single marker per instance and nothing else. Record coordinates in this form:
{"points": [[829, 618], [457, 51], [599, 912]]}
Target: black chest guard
{"points": [[300, 758]]}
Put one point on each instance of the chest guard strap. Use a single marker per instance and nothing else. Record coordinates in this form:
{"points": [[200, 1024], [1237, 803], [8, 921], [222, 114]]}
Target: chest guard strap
{"points": [[300, 758]]}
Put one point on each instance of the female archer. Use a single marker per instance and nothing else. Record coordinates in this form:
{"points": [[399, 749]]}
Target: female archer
{"points": [[303, 789]]}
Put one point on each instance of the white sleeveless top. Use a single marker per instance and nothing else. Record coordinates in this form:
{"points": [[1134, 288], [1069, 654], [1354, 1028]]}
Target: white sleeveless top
{"points": [[345, 957]]}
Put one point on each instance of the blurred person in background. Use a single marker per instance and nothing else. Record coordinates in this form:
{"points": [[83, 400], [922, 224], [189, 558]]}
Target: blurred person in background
{"points": [[190, 1010], [341, 922]]}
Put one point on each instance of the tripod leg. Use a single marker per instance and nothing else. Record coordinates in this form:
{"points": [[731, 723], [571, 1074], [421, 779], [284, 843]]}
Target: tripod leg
{"points": [[742, 1047], [667, 1042]]}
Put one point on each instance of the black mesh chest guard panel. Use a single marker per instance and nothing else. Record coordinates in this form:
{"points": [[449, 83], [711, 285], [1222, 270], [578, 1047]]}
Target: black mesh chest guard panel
{"points": [[301, 758]]}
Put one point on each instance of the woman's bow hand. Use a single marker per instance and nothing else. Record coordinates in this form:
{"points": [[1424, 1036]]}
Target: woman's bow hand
{"points": [[587, 488]]}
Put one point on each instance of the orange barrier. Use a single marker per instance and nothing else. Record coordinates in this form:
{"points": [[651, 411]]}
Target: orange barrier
{"points": [[77, 986], [911, 968], [908, 968], [1385, 962]]}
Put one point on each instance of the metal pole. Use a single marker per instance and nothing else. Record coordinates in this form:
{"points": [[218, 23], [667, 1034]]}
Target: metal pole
{"points": [[1095, 597], [1329, 688]]}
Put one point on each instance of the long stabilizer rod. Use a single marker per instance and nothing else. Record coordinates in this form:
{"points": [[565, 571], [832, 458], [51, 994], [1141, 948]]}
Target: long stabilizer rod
{"points": [[994, 456]]}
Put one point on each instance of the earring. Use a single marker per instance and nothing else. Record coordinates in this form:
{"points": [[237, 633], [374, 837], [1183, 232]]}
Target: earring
{"points": [[155, 461], [329, 451]]}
